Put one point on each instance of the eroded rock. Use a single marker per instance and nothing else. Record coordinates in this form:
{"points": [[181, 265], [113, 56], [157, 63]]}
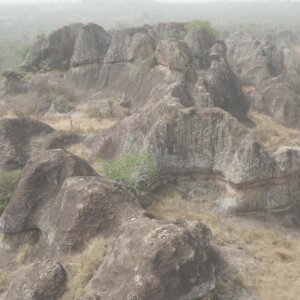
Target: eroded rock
{"points": [[39, 281]]}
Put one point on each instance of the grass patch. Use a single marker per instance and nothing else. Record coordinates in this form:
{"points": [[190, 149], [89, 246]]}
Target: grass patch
{"points": [[136, 171], [8, 184], [277, 254], [272, 134], [82, 267]]}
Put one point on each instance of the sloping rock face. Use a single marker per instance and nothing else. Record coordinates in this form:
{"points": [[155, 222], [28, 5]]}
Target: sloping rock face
{"points": [[269, 67], [40, 182], [39, 281], [54, 51], [90, 49], [84, 208], [19, 139], [128, 45], [157, 261], [91, 45], [62, 197], [223, 85]]}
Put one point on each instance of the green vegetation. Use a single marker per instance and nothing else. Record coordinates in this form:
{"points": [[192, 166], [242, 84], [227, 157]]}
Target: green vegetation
{"points": [[61, 104], [206, 26], [82, 267], [8, 183], [140, 66], [136, 171]]}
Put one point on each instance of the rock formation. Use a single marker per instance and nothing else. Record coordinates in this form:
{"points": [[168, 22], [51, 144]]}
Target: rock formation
{"points": [[153, 259], [44, 280], [263, 61], [21, 138]]}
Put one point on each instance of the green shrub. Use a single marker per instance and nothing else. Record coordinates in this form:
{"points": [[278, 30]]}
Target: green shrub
{"points": [[8, 183], [204, 25], [62, 104], [136, 171]]}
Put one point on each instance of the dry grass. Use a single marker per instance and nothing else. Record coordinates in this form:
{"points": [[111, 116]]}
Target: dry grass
{"points": [[271, 133], [24, 253], [80, 123], [277, 276], [4, 278], [80, 150], [82, 267], [248, 89]]}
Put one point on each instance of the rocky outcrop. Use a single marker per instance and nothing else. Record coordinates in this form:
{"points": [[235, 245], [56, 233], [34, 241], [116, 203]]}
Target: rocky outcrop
{"points": [[21, 138], [84, 208], [91, 46], [40, 182], [128, 45], [60, 196], [39, 281], [157, 261], [173, 54], [223, 85], [199, 41], [263, 61], [54, 51], [13, 83]]}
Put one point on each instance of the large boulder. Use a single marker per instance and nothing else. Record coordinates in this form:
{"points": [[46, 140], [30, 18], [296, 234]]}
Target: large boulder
{"points": [[40, 182], [15, 136], [129, 45], [39, 281], [152, 260], [21, 138], [84, 208], [91, 46], [53, 51], [173, 54]]}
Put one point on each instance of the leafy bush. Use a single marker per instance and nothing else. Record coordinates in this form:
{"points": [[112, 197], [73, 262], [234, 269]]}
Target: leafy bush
{"points": [[206, 26], [8, 183], [136, 171], [62, 104]]}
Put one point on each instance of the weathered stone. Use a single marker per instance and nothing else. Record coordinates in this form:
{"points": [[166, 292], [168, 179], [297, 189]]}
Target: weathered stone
{"points": [[200, 41], [54, 51], [21, 138], [152, 260], [91, 46], [173, 54], [128, 45], [39, 281], [40, 182], [223, 85]]}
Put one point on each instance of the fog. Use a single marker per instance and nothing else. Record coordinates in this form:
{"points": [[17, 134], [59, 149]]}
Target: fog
{"points": [[22, 21]]}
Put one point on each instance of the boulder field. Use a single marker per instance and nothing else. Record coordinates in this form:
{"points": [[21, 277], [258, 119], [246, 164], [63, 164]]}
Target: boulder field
{"points": [[190, 96]]}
